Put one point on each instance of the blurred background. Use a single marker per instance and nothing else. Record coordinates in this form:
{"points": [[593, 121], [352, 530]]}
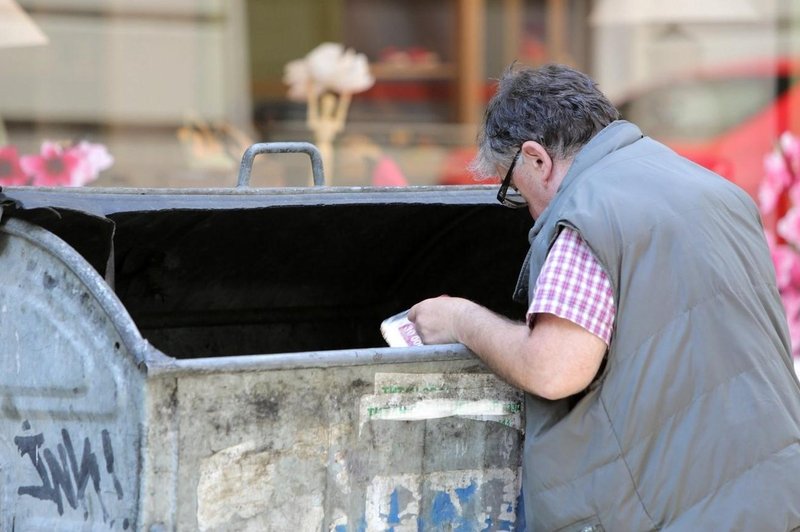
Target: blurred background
{"points": [[175, 89]]}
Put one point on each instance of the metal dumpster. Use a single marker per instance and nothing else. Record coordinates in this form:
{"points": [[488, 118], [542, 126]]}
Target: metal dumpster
{"points": [[212, 360]]}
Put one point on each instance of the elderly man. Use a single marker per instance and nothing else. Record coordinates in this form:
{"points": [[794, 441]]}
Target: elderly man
{"points": [[655, 354]]}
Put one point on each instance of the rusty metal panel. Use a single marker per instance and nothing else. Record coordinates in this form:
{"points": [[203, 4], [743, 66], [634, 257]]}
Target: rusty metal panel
{"points": [[71, 391]]}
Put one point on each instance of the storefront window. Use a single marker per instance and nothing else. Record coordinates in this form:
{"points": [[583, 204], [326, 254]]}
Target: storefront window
{"points": [[168, 93]]}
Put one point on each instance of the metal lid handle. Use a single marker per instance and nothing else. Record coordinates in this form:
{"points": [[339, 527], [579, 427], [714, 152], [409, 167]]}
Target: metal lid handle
{"points": [[281, 147]]}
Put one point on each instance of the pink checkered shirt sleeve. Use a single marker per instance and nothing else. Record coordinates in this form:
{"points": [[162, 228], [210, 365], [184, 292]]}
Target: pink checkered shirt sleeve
{"points": [[572, 285]]}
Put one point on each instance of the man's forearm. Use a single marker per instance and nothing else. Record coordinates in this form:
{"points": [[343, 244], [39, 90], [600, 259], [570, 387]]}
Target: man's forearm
{"points": [[499, 342], [554, 359]]}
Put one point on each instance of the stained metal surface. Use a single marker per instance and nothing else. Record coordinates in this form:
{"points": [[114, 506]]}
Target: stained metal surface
{"points": [[71, 383], [262, 422], [330, 449]]}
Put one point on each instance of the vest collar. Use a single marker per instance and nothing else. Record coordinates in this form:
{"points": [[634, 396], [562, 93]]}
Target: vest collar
{"points": [[616, 135], [613, 137]]}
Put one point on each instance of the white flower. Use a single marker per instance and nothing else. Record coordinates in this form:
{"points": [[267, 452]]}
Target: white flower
{"points": [[93, 159], [352, 73], [96, 156], [297, 75], [328, 67], [323, 62]]}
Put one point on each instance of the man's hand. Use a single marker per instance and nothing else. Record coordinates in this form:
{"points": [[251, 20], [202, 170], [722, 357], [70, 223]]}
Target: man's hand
{"points": [[436, 319]]}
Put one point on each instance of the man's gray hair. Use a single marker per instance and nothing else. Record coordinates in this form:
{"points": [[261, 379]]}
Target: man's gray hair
{"points": [[555, 105]]}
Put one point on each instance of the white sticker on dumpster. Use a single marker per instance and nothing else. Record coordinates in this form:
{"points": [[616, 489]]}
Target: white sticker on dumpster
{"points": [[411, 396]]}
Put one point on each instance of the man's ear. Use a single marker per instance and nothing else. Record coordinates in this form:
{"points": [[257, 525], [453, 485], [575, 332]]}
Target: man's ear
{"points": [[540, 159]]}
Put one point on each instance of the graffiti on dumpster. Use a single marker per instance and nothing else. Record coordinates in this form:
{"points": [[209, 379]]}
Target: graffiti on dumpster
{"points": [[64, 476], [447, 500]]}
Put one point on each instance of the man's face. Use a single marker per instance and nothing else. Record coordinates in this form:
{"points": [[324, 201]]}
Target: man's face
{"points": [[529, 179]]}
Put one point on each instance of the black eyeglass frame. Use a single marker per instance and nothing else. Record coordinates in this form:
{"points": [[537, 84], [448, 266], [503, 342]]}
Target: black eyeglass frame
{"points": [[512, 202]]}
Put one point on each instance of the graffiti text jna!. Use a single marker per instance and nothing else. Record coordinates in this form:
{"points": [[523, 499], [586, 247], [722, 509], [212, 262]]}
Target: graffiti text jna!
{"points": [[63, 476]]}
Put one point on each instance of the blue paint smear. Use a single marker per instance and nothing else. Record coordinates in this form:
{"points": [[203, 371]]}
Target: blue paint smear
{"points": [[444, 515], [464, 526], [340, 528], [502, 524], [394, 509], [394, 513], [465, 494], [521, 524], [505, 525], [443, 510]]}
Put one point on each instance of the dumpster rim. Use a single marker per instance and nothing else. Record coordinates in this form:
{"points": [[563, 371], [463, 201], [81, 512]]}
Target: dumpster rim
{"points": [[110, 201], [321, 359], [135, 345]]}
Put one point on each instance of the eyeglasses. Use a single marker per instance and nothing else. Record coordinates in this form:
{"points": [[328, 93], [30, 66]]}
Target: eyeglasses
{"points": [[514, 200]]}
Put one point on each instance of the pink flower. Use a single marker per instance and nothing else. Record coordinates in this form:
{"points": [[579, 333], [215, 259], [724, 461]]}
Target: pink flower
{"points": [[52, 167], [94, 158], [777, 177], [788, 227], [781, 183], [794, 193], [791, 303], [787, 267], [790, 146], [11, 173], [782, 257], [388, 174]]}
